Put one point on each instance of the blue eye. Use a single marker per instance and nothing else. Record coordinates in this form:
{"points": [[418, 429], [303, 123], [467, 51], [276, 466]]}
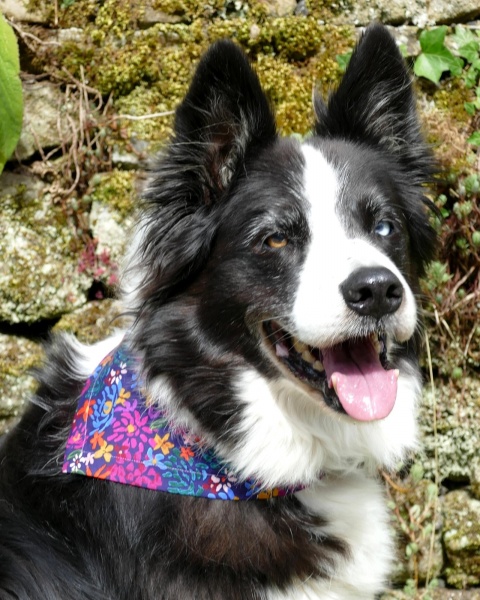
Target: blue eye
{"points": [[384, 228]]}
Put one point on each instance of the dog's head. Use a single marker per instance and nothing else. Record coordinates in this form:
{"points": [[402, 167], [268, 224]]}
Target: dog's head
{"points": [[271, 275]]}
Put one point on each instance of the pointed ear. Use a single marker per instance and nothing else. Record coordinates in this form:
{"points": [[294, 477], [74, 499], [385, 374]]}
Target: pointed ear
{"points": [[374, 103], [224, 115]]}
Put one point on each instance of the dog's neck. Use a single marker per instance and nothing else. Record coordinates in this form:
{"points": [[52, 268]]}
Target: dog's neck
{"points": [[117, 434]]}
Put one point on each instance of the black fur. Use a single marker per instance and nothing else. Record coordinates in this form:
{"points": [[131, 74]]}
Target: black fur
{"points": [[64, 537]]}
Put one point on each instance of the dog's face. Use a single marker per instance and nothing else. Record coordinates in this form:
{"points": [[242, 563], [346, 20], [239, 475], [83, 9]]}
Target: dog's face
{"points": [[283, 268], [312, 256]]}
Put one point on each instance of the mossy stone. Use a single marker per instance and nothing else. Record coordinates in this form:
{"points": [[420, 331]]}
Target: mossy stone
{"points": [[17, 356], [40, 276], [93, 322], [451, 451], [461, 537]]}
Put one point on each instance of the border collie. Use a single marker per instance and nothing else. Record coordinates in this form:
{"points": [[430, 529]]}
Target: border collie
{"points": [[226, 445]]}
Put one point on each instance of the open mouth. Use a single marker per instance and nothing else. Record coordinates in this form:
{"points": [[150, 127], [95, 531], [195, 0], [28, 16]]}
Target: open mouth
{"points": [[354, 377]]}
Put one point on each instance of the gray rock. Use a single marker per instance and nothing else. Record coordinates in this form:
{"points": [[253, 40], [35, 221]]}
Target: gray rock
{"points": [[152, 15], [21, 10], [280, 8], [446, 11], [44, 119], [475, 477], [93, 322], [136, 158], [41, 275], [393, 12], [406, 37], [461, 537], [112, 218], [111, 232], [72, 34], [456, 443], [17, 356], [417, 12]]}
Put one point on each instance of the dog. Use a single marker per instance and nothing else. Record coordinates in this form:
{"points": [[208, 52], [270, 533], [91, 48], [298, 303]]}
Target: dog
{"points": [[226, 445]]}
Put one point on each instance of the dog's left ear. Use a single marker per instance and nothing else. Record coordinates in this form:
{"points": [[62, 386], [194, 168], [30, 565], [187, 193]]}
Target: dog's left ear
{"points": [[374, 104], [224, 116]]}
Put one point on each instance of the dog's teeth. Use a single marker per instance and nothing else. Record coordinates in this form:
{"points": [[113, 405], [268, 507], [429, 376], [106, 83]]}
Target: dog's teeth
{"points": [[397, 373], [308, 357], [376, 342], [299, 346], [334, 383], [281, 350], [317, 365]]}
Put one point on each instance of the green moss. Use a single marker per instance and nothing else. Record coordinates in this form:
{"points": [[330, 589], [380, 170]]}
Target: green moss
{"points": [[43, 7], [148, 71], [325, 10], [451, 97], [115, 16], [462, 539], [17, 357], [189, 10], [93, 322], [24, 201], [142, 101], [116, 189], [41, 278], [289, 92]]}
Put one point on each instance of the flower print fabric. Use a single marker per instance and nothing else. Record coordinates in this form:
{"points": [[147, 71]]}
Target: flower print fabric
{"points": [[117, 435]]}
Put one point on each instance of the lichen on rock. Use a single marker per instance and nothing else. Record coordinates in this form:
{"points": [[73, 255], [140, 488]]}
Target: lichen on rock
{"points": [[93, 322], [451, 450], [462, 538], [17, 356], [39, 276], [111, 220], [44, 119]]}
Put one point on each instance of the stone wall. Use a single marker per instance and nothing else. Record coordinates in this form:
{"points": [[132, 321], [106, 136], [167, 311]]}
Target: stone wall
{"points": [[101, 81]]}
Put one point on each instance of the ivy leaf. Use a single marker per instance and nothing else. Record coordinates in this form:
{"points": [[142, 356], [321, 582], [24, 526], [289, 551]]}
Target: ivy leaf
{"points": [[470, 51], [470, 108], [435, 58], [474, 139], [11, 102], [463, 37]]}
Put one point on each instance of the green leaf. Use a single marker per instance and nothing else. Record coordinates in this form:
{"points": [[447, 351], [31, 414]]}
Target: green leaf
{"points": [[11, 102], [474, 139], [470, 51], [432, 40], [470, 77], [470, 108], [435, 58], [343, 60], [463, 36]]}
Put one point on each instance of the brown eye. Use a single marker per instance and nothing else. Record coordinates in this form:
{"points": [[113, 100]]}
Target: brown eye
{"points": [[277, 240]]}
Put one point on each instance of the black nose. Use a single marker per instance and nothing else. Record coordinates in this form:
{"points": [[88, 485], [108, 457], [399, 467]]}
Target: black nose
{"points": [[372, 291]]}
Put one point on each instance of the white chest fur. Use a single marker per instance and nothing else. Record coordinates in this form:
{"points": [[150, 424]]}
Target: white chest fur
{"points": [[355, 511]]}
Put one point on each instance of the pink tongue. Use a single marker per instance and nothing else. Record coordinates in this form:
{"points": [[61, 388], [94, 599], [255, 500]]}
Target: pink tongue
{"points": [[365, 389]]}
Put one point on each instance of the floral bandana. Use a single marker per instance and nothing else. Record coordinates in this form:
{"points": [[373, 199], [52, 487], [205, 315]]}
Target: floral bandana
{"points": [[117, 435]]}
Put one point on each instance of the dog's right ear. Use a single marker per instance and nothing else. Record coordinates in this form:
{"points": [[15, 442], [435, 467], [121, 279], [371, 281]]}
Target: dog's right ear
{"points": [[223, 117]]}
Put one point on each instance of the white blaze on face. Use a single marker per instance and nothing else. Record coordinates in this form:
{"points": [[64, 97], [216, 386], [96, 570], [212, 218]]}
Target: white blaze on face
{"points": [[320, 314]]}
